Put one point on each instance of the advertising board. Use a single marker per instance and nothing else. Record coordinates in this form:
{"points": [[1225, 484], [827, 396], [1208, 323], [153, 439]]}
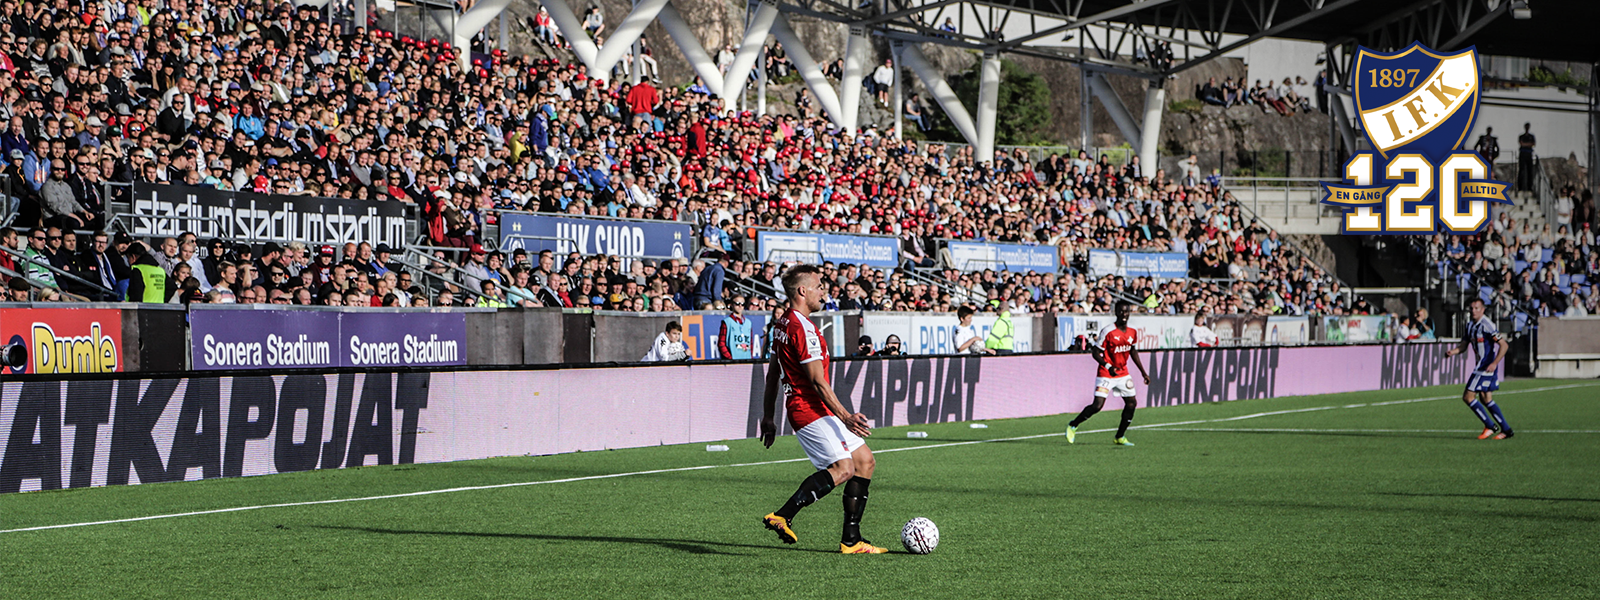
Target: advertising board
{"points": [[935, 333], [65, 340], [58, 434], [300, 339], [1016, 258], [870, 250], [595, 235], [167, 210], [1160, 265]]}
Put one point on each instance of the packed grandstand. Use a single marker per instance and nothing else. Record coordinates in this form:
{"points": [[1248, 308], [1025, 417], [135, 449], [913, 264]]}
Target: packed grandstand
{"points": [[267, 98]]}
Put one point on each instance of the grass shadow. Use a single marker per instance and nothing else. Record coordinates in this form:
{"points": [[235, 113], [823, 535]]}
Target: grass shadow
{"points": [[689, 546], [1488, 496]]}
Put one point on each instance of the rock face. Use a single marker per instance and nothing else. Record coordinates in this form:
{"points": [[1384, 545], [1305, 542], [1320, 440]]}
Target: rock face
{"points": [[1230, 139]]}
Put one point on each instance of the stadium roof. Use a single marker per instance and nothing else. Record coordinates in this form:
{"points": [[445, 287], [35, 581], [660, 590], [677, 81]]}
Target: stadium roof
{"points": [[1558, 29], [1200, 30]]}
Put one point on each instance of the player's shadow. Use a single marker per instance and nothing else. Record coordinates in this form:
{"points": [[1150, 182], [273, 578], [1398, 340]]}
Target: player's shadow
{"points": [[1489, 496], [1355, 434], [689, 546]]}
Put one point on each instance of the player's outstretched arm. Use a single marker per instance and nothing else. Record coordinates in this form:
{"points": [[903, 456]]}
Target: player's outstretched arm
{"points": [[856, 422], [1134, 354], [769, 398]]}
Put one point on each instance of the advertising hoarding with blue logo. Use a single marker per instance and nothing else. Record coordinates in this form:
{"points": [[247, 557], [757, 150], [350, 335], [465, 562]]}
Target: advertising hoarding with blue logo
{"points": [[871, 250], [1161, 265], [1016, 258], [595, 235], [935, 333]]}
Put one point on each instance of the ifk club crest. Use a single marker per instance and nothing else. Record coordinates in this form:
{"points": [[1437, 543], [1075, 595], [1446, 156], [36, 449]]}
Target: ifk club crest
{"points": [[1416, 108]]}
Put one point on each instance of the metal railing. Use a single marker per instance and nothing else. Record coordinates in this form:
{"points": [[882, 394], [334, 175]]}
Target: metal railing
{"points": [[115, 220], [943, 286], [40, 285], [104, 291], [775, 255], [418, 269], [965, 264], [1300, 197]]}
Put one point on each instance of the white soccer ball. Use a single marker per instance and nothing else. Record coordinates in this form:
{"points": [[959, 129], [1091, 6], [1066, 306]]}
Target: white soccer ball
{"points": [[920, 536]]}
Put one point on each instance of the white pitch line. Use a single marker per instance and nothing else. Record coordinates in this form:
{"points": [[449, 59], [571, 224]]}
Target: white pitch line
{"points": [[752, 464]]}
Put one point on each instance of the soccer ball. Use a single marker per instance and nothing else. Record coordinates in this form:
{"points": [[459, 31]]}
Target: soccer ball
{"points": [[920, 536]]}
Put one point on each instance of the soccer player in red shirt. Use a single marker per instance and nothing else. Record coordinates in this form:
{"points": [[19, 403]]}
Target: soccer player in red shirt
{"points": [[1117, 344], [830, 434]]}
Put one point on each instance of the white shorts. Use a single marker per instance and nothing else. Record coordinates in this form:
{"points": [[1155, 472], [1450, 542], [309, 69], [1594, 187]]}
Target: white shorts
{"points": [[827, 441], [1119, 386]]}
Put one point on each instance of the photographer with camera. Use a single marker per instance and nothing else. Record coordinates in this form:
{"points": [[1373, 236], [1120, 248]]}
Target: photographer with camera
{"points": [[891, 347], [863, 346]]}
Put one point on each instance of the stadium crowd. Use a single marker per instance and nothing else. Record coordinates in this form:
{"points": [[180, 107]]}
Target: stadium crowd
{"points": [[265, 97], [1518, 268], [1290, 96]]}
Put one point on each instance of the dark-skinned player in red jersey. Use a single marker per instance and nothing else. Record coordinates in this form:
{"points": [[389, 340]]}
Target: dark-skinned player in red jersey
{"points": [[1117, 345], [830, 435]]}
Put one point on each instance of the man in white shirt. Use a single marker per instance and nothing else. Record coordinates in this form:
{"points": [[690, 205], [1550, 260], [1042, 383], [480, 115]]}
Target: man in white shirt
{"points": [[668, 346], [1564, 210], [883, 76], [1201, 335]]}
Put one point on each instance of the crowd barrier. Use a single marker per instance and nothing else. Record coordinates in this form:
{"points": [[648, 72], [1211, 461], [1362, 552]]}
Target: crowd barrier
{"points": [[109, 337], [122, 429]]}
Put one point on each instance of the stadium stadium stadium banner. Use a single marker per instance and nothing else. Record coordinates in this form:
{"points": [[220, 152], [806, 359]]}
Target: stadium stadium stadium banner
{"points": [[207, 426], [65, 340], [1016, 258], [596, 235], [1355, 328], [1161, 265], [167, 210], [935, 333], [871, 250], [305, 339]]}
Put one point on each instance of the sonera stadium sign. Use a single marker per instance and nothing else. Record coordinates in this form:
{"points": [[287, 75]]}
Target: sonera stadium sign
{"points": [[1416, 107]]}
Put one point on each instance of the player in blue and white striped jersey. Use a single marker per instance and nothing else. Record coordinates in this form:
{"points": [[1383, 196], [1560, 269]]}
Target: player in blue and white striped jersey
{"points": [[1490, 347]]}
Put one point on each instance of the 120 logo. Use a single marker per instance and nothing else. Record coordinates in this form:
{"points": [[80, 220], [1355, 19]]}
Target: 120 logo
{"points": [[1416, 108]]}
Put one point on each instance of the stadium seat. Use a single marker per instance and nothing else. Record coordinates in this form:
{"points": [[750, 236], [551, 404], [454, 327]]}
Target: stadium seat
{"points": [[1518, 266], [1549, 255], [1564, 282], [1486, 293]]}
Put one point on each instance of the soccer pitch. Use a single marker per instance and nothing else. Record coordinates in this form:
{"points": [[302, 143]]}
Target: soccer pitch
{"points": [[1372, 495]]}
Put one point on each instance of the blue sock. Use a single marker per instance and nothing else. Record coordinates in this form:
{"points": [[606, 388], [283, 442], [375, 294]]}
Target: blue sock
{"points": [[1499, 418], [1483, 415]]}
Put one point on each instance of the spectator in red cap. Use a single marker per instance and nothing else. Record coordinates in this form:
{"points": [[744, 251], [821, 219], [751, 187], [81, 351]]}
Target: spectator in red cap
{"points": [[477, 268]]}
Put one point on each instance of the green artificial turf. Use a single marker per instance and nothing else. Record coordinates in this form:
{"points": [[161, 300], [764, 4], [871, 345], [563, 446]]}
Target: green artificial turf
{"points": [[1190, 512]]}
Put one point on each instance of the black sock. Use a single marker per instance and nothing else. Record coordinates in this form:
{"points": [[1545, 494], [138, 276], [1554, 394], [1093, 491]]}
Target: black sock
{"points": [[855, 503], [812, 489], [1089, 411], [1127, 419]]}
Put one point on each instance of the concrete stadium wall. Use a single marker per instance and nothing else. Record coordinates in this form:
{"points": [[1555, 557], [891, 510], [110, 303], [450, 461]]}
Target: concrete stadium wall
{"points": [[1569, 347], [228, 424]]}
